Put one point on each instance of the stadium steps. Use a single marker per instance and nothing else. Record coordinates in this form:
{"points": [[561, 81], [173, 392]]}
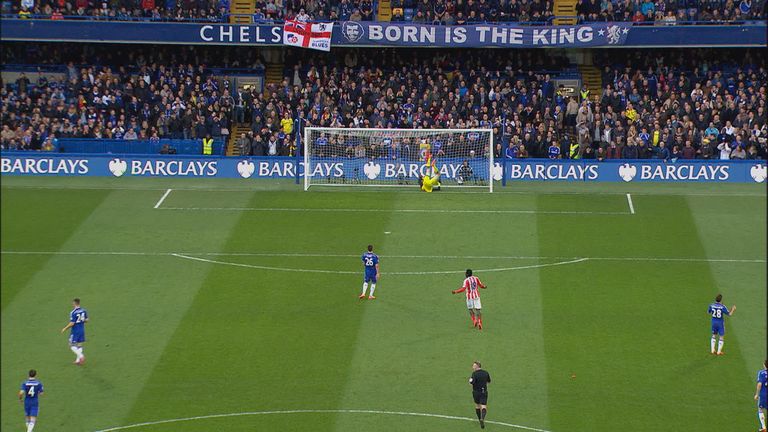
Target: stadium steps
{"points": [[592, 77], [564, 8], [274, 73], [384, 11], [241, 11], [236, 131]]}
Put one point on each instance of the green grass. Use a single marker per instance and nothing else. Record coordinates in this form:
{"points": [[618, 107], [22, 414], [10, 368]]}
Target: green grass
{"points": [[615, 342]]}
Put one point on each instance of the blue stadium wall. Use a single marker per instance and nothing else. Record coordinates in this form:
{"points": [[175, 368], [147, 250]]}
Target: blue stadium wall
{"points": [[350, 34]]}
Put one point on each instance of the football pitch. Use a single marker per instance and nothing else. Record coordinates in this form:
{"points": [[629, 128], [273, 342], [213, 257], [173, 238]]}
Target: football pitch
{"points": [[233, 305]]}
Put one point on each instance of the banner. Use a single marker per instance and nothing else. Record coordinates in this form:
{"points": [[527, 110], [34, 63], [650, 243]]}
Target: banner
{"points": [[24, 163], [637, 171], [40, 164], [308, 35], [484, 35], [355, 33]]}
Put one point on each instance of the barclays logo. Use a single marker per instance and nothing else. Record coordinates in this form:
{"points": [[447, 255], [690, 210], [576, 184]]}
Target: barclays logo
{"points": [[372, 170], [352, 31], [627, 172], [758, 173]]}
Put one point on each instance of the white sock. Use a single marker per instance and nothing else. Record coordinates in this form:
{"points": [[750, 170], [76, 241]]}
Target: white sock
{"points": [[373, 288], [365, 287], [30, 426], [761, 416], [720, 346], [75, 350], [79, 352], [712, 343]]}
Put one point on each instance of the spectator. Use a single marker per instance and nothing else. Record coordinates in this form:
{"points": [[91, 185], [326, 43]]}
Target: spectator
{"points": [[512, 151], [725, 150], [272, 145], [738, 153], [243, 145], [688, 151]]}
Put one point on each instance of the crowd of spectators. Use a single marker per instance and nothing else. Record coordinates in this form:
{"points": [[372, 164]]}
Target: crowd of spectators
{"points": [[664, 104], [120, 10], [687, 104], [670, 12], [123, 92], [446, 12], [656, 104]]}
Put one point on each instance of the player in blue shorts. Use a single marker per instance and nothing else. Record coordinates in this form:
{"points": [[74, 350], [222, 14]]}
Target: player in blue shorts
{"points": [[29, 395], [718, 311], [761, 395], [77, 319], [371, 265]]}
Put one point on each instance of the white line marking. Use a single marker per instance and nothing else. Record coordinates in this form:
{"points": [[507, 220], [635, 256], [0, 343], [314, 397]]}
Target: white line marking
{"points": [[325, 411], [500, 191], [631, 206], [351, 210], [165, 195], [326, 255], [493, 269], [300, 270]]}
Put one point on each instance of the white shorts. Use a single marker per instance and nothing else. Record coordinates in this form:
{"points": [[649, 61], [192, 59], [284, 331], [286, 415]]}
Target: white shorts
{"points": [[474, 303]]}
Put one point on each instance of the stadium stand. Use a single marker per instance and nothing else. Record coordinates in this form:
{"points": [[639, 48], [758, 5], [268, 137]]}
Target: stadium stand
{"points": [[659, 104]]}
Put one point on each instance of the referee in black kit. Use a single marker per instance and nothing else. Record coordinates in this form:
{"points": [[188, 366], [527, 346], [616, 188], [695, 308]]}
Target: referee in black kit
{"points": [[479, 382]]}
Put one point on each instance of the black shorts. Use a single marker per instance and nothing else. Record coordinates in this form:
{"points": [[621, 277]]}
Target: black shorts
{"points": [[481, 398]]}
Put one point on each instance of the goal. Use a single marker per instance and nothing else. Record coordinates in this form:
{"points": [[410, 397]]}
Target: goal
{"points": [[398, 157]]}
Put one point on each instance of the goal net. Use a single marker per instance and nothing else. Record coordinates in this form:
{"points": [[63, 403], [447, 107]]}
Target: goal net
{"points": [[398, 157]]}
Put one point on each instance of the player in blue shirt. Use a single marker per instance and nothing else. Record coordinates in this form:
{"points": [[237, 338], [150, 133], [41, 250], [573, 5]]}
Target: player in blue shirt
{"points": [[371, 264], [77, 319], [761, 395], [718, 311], [29, 395]]}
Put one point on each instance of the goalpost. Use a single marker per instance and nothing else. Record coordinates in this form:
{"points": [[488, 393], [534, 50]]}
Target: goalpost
{"points": [[398, 157]]}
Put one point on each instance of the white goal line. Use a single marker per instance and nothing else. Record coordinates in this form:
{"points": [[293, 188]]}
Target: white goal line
{"points": [[660, 192], [353, 210], [318, 255]]}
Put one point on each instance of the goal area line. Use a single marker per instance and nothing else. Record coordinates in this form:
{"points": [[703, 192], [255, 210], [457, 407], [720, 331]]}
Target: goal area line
{"points": [[405, 211]]}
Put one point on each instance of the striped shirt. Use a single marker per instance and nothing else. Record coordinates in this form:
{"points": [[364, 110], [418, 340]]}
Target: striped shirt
{"points": [[470, 286]]}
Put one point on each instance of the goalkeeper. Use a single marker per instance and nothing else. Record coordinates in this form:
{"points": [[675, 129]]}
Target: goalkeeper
{"points": [[426, 182]]}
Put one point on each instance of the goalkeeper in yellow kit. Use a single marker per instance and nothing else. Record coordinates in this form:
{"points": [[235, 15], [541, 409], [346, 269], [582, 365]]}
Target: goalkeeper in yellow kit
{"points": [[427, 182]]}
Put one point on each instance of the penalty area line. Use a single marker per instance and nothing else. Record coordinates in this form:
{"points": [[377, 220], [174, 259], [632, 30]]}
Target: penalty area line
{"points": [[301, 270], [165, 195], [320, 411]]}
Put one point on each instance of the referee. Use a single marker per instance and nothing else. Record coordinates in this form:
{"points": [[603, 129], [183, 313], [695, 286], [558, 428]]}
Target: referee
{"points": [[479, 382]]}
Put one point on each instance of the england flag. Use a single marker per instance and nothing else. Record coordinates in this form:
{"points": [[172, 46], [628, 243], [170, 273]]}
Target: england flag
{"points": [[308, 35]]}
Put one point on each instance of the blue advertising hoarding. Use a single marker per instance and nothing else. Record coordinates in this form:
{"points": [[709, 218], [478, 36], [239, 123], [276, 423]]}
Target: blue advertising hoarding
{"points": [[32, 164], [355, 33], [637, 171], [23, 163]]}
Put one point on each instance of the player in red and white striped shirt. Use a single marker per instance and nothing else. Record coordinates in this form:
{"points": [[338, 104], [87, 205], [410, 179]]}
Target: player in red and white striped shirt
{"points": [[471, 286]]}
